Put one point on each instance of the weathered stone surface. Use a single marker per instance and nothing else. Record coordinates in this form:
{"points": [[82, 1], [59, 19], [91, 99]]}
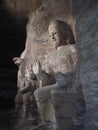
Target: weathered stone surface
{"points": [[87, 65]]}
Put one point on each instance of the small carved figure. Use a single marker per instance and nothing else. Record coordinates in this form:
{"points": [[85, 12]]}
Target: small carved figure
{"points": [[26, 84], [29, 84]]}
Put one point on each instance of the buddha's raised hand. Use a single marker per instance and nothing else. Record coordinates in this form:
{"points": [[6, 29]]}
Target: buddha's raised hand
{"points": [[17, 60], [36, 67]]}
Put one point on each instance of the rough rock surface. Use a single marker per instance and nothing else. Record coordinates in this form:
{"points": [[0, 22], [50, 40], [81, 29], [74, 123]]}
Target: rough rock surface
{"points": [[87, 42]]}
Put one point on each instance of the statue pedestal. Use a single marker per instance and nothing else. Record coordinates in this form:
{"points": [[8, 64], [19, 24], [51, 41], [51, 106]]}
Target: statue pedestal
{"points": [[65, 108]]}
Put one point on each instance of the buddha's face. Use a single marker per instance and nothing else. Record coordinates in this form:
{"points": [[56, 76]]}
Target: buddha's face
{"points": [[55, 35]]}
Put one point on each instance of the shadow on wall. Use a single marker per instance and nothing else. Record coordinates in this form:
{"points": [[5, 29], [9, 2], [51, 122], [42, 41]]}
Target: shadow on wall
{"points": [[12, 40]]}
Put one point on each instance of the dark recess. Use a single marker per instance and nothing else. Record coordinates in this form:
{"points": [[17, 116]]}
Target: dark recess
{"points": [[12, 41]]}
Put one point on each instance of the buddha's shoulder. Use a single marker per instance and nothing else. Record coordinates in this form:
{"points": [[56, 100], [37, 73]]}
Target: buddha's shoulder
{"points": [[67, 49]]}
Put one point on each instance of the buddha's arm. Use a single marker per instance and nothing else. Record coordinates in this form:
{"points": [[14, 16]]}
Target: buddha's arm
{"points": [[43, 77]]}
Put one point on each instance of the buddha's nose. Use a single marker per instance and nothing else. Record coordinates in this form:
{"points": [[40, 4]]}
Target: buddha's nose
{"points": [[53, 37]]}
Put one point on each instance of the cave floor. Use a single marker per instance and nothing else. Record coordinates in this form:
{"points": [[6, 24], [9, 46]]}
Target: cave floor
{"points": [[10, 121]]}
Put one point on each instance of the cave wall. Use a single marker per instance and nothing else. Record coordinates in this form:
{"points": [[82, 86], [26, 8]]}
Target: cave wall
{"points": [[87, 70], [12, 41]]}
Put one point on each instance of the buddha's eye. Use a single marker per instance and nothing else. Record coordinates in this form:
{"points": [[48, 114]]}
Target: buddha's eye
{"points": [[55, 32]]}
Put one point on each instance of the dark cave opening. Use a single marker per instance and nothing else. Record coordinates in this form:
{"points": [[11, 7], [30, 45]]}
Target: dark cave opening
{"points": [[12, 41]]}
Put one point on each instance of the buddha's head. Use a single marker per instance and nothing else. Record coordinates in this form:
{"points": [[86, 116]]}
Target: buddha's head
{"points": [[60, 33]]}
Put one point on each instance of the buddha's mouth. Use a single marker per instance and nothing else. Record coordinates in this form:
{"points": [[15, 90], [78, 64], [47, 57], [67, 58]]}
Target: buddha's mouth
{"points": [[53, 40]]}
